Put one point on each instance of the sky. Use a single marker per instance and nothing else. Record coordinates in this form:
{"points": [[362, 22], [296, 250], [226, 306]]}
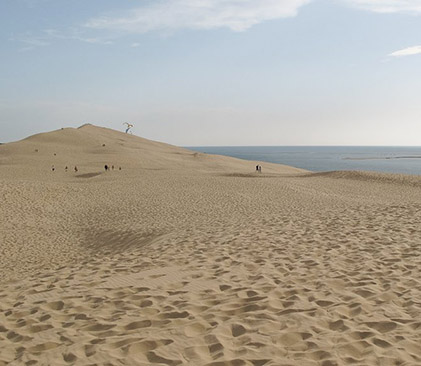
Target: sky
{"points": [[215, 72]]}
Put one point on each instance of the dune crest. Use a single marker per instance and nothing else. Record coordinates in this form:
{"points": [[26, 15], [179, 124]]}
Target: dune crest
{"points": [[90, 147]]}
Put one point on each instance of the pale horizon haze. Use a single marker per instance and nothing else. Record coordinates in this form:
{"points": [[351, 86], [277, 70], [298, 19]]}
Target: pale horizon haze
{"points": [[221, 72]]}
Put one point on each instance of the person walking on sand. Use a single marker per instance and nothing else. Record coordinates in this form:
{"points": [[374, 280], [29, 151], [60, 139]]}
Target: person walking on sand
{"points": [[106, 167], [257, 168], [76, 169]]}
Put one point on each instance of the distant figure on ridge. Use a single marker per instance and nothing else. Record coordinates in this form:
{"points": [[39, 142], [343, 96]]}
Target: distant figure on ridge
{"points": [[129, 126], [106, 167]]}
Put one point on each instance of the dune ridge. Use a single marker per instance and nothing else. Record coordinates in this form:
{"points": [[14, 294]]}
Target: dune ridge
{"points": [[90, 148], [182, 259]]}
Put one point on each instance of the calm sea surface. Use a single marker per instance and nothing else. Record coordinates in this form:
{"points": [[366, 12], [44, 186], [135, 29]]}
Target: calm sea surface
{"points": [[406, 160]]}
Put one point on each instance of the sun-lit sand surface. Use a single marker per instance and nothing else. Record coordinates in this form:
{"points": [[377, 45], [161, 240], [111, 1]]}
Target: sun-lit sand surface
{"points": [[181, 258]]}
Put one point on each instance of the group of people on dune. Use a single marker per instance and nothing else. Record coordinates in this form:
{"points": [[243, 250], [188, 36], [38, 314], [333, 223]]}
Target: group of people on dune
{"points": [[66, 168], [107, 167]]}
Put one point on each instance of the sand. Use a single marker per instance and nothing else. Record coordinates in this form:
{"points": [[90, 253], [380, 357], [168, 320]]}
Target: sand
{"points": [[181, 258]]}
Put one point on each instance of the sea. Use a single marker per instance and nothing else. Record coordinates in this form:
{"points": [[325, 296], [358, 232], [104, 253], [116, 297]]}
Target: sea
{"points": [[389, 159]]}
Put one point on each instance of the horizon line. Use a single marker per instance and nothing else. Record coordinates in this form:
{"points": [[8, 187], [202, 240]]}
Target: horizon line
{"points": [[189, 146]]}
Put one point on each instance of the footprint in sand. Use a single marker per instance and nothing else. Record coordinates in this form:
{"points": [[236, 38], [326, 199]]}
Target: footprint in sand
{"points": [[237, 330], [175, 315], [56, 305], [138, 325], [98, 327], [195, 329], [383, 326], [43, 347]]}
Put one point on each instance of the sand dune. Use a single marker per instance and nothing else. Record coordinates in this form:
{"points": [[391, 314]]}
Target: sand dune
{"points": [[182, 259], [90, 148]]}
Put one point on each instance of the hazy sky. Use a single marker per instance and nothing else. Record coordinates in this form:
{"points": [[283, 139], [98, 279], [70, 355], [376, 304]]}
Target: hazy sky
{"points": [[215, 72]]}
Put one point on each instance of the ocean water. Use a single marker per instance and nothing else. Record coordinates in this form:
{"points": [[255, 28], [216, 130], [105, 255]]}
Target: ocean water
{"points": [[390, 159]]}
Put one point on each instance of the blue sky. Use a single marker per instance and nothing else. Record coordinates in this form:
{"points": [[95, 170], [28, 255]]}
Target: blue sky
{"points": [[215, 72]]}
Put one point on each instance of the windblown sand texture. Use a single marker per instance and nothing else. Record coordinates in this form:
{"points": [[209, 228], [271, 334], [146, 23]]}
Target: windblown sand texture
{"points": [[182, 258]]}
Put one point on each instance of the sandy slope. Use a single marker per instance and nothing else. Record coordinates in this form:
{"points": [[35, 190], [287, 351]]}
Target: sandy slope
{"points": [[183, 258], [90, 148]]}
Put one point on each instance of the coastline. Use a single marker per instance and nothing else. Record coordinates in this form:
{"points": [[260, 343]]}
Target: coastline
{"points": [[386, 159]]}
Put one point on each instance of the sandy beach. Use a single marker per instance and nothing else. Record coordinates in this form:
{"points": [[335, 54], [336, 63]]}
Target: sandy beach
{"points": [[183, 258]]}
